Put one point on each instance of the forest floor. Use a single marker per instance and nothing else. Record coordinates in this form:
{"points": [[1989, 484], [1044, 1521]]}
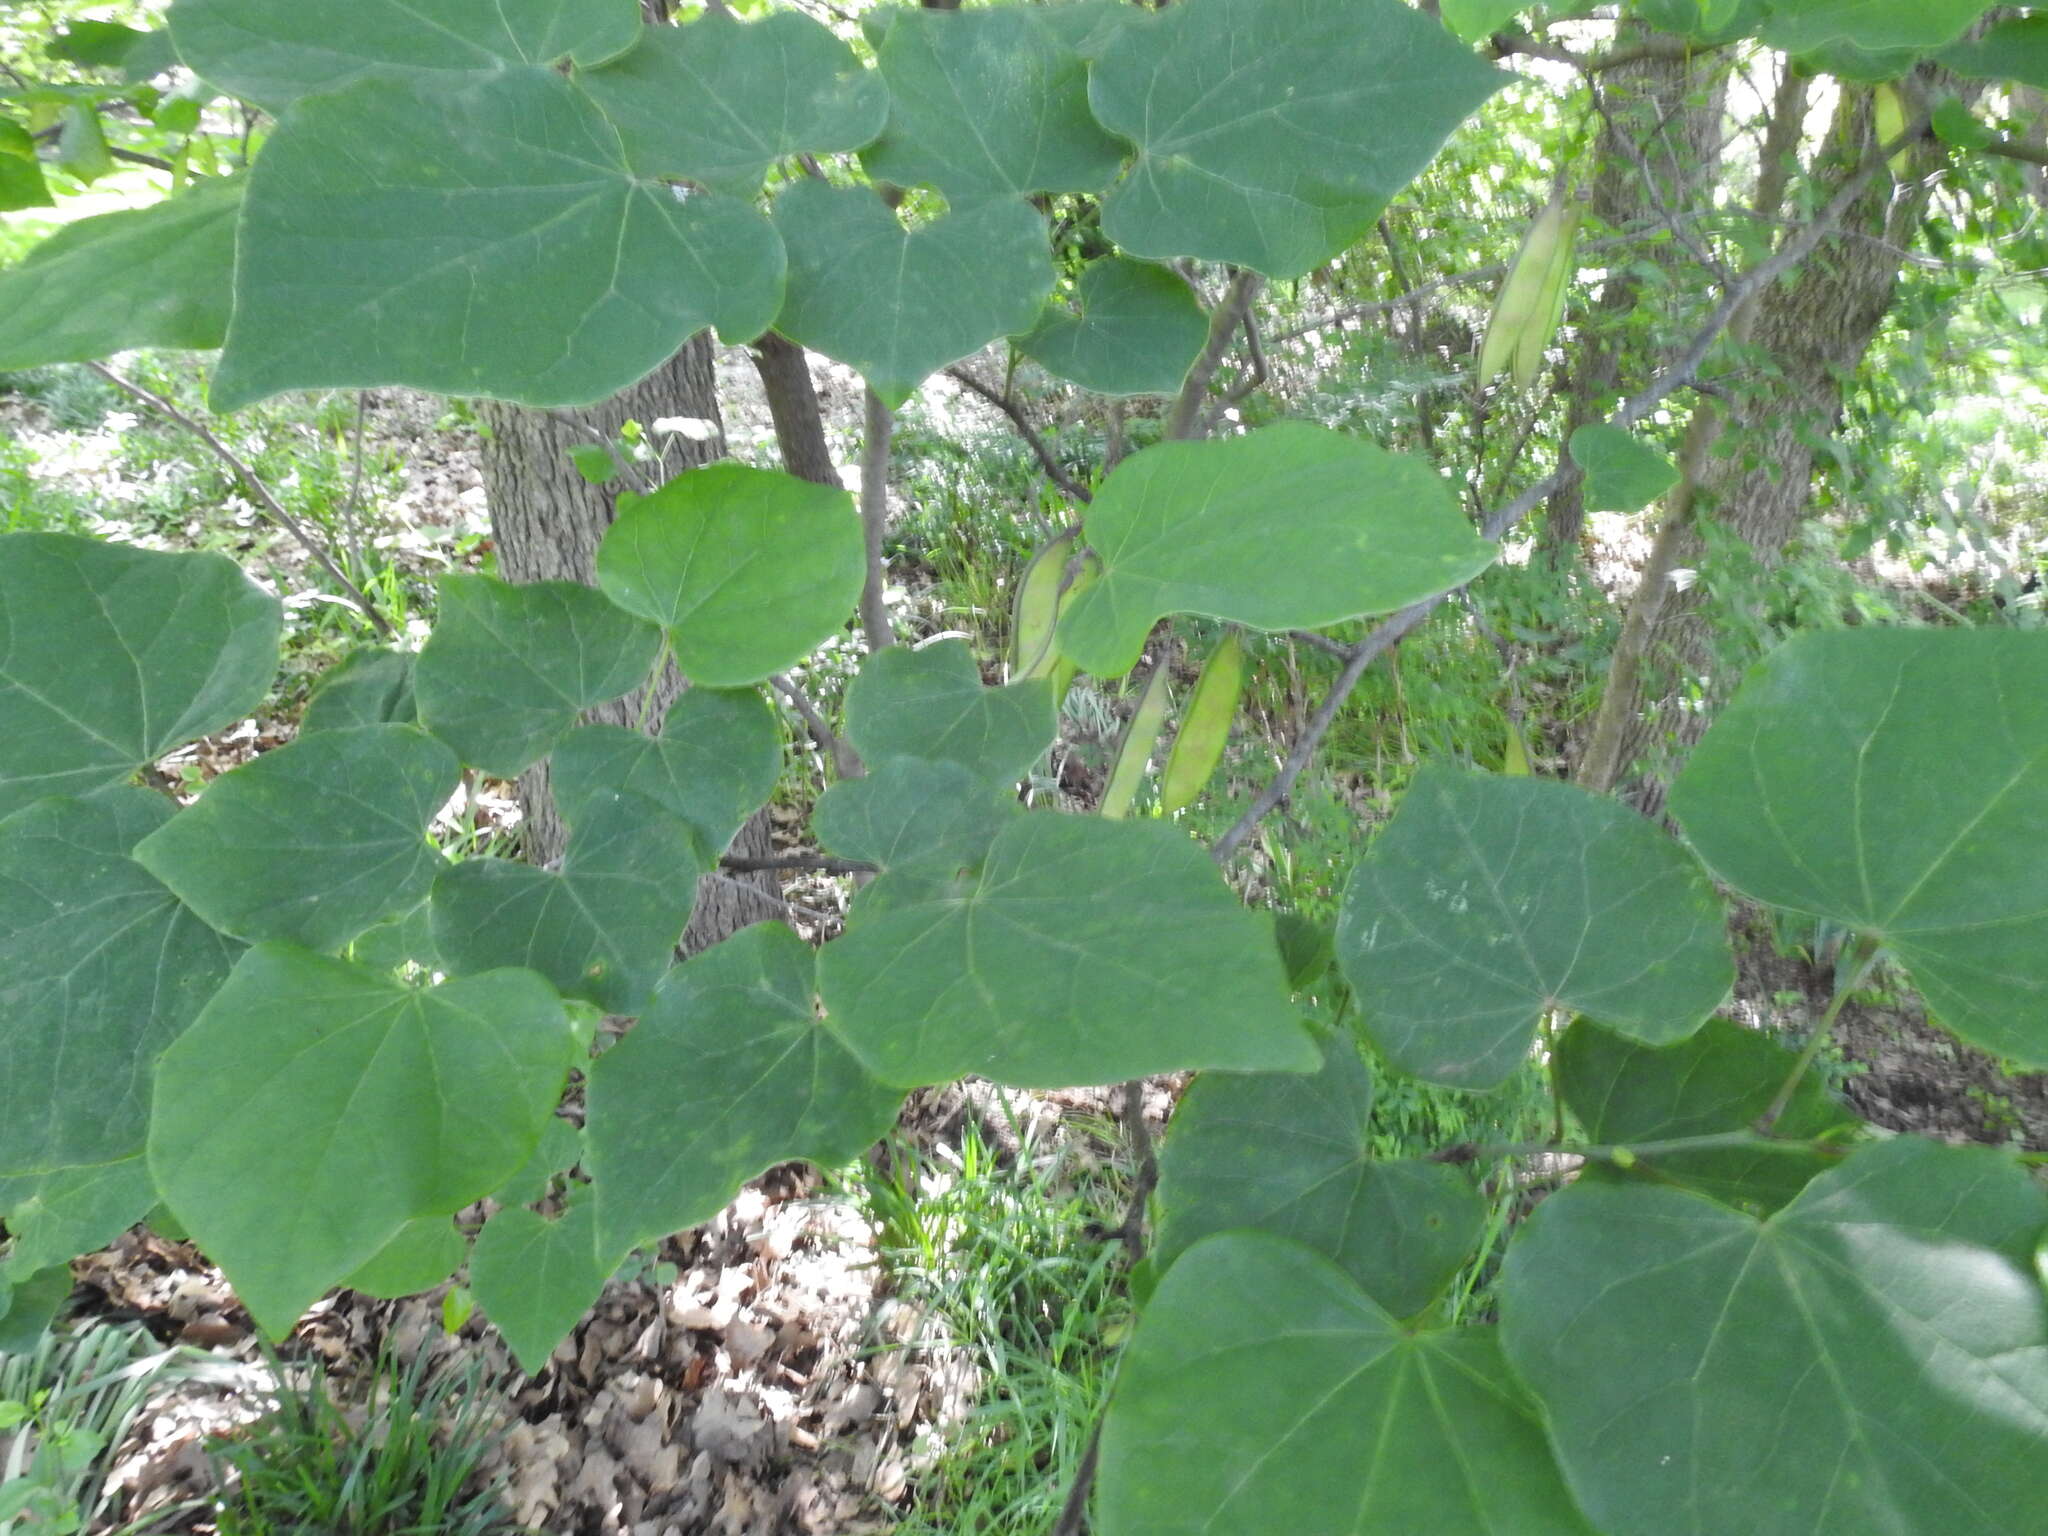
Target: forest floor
{"points": [[785, 1379]]}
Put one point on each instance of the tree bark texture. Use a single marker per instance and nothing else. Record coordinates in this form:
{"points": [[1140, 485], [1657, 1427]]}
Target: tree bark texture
{"points": [[547, 521]]}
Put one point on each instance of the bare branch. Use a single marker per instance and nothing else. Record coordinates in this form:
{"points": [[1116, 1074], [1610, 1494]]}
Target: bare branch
{"points": [[1186, 417], [822, 863], [1003, 401], [267, 503], [874, 521], [845, 761], [1254, 377]]}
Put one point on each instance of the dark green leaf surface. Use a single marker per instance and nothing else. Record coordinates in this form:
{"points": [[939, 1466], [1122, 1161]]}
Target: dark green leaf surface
{"points": [[111, 656], [913, 813], [1722, 1079], [900, 305], [53, 1217], [1623, 473], [370, 686], [1085, 951], [749, 570], [422, 1254], [508, 668], [346, 1105], [1266, 1395], [489, 237], [273, 54], [2016, 49], [1896, 781], [1290, 1153], [100, 969], [1873, 25], [930, 703], [714, 764], [1271, 133], [313, 842], [75, 297], [534, 1278], [1191, 528], [1491, 900], [29, 1303], [694, 101], [1872, 1358], [604, 928], [1138, 332], [729, 1072], [988, 104]]}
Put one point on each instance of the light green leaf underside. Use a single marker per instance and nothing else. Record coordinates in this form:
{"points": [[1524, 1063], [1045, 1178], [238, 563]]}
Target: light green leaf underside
{"points": [[54, 1217], [1872, 1358], [1289, 527], [930, 703], [603, 928], [1138, 332], [1874, 25], [368, 686], [422, 1254], [898, 306], [488, 237], [272, 54], [111, 656], [1623, 473], [714, 764], [75, 297], [690, 101], [913, 813], [1896, 781], [1290, 1153], [1721, 1079], [1084, 951], [749, 570], [508, 668], [313, 842], [347, 1105], [1266, 1395], [729, 1072], [1271, 133], [1490, 900], [988, 104], [534, 1278], [29, 1304], [100, 969]]}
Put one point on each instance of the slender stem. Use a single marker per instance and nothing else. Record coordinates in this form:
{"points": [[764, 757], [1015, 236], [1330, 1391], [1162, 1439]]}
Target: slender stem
{"points": [[874, 519], [1074, 1512], [1003, 401], [822, 863], [652, 687], [266, 501], [1866, 957], [1186, 416], [845, 761], [1624, 1154]]}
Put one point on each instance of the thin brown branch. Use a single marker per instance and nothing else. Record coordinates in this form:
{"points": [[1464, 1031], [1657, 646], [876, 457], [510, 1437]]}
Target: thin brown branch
{"points": [[822, 863], [874, 520], [267, 503], [845, 761], [1185, 420], [1003, 401], [1253, 377], [2015, 149]]}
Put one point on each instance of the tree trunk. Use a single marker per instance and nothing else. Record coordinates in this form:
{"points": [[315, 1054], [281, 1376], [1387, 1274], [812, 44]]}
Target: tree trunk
{"points": [[547, 521]]}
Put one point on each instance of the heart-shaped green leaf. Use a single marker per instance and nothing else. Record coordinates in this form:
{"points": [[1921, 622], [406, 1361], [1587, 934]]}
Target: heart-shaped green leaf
{"points": [[484, 237], [1489, 901], [111, 656], [347, 1105], [534, 1277], [1623, 473], [1872, 1358], [100, 969], [1011, 974], [1798, 26], [689, 100], [1290, 1153], [749, 570], [1266, 1395], [273, 54], [930, 703], [913, 813], [988, 104], [423, 1254], [1191, 528], [714, 764], [1722, 1079], [73, 298], [604, 928], [313, 842], [369, 686], [1896, 781], [729, 1072], [509, 668], [899, 305], [1271, 133], [1138, 332]]}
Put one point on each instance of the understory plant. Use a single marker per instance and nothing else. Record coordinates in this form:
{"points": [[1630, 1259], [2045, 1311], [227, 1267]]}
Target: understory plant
{"points": [[282, 1014]]}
